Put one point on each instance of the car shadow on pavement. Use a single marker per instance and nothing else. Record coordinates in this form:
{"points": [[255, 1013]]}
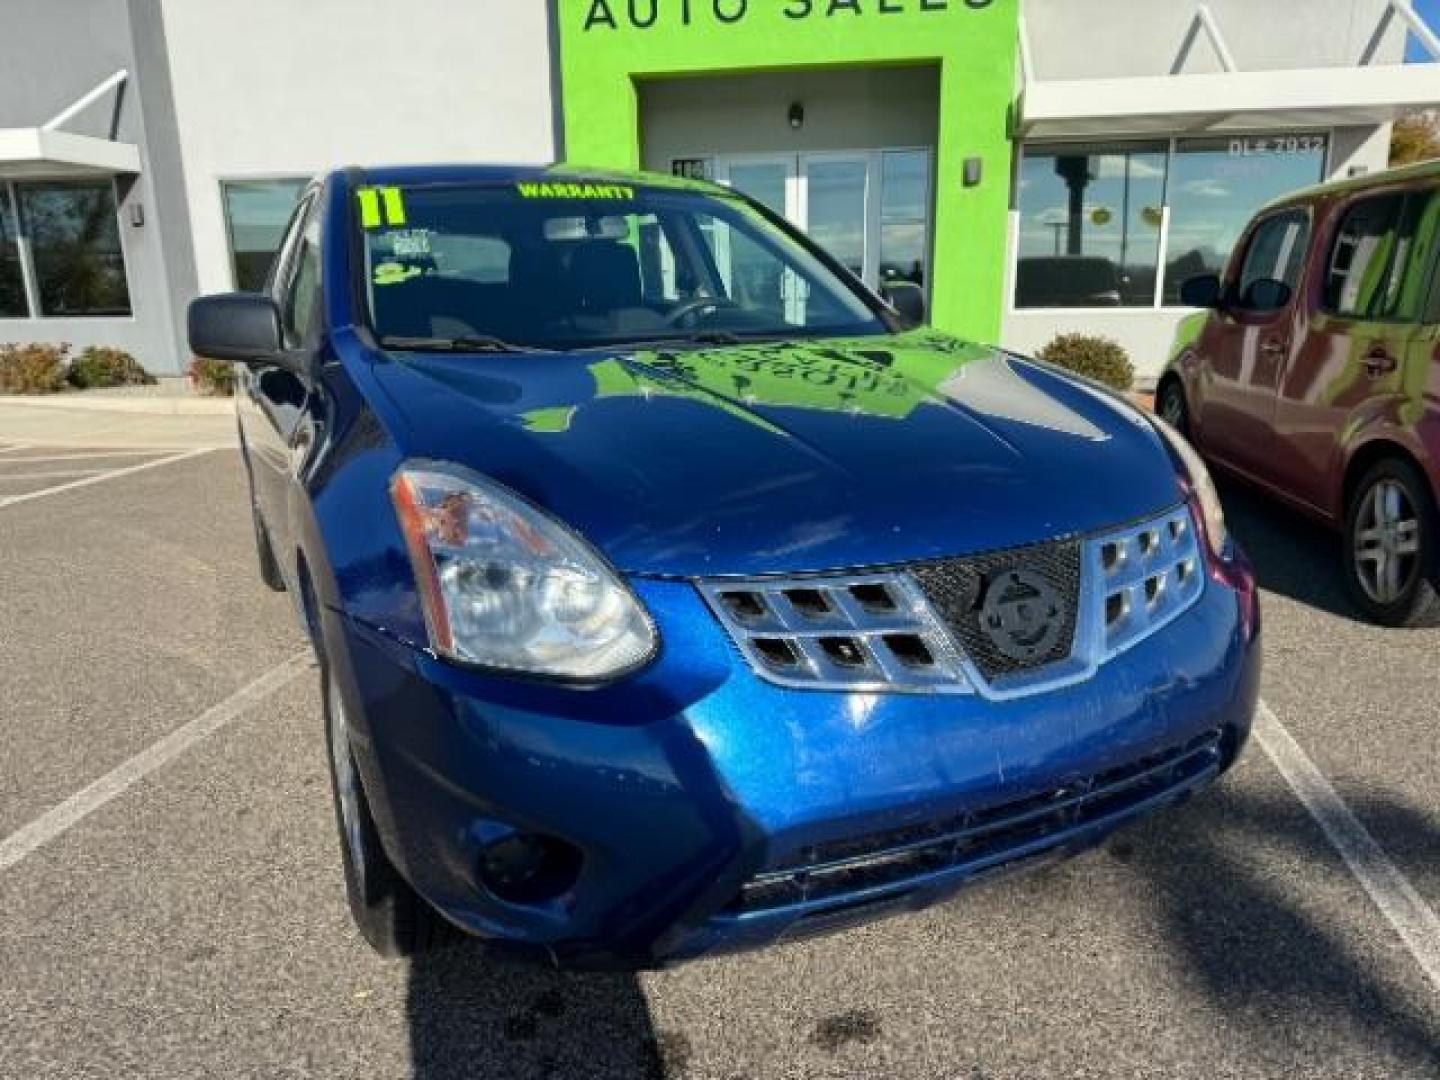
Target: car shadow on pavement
{"points": [[1293, 555], [475, 1011], [1233, 874]]}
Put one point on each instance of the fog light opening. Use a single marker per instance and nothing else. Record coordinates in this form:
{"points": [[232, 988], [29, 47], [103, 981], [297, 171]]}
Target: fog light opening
{"points": [[527, 868]]}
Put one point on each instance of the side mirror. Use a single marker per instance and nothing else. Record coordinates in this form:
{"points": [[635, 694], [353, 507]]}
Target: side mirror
{"points": [[907, 298], [1201, 292], [1266, 294], [242, 327]]}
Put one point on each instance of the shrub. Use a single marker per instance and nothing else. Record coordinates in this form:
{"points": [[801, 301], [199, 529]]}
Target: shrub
{"points": [[32, 369], [215, 377], [97, 367], [1094, 357], [1415, 138]]}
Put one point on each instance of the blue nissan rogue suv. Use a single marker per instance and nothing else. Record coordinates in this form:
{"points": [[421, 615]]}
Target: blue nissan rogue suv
{"points": [[672, 596]]}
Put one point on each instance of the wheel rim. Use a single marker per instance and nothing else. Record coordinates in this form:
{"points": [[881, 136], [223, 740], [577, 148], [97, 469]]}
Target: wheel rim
{"points": [[1172, 408], [347, 784], [1387, 542]]}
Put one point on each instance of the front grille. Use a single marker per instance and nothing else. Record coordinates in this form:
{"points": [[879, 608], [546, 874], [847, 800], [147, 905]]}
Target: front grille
{"points": [[1151, 573], [957, 590], [1001, 624], [855, 633], [983, 840]]}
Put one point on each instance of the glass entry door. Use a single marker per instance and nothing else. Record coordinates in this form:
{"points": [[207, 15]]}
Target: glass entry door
{"points": [[834, 193], [868, 208]]}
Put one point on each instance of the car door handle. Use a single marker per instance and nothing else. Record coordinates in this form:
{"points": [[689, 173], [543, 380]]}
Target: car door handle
{"points": [[1379, 361]]}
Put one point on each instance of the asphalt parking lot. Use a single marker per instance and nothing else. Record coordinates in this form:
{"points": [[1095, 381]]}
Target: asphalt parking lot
{"points": [[172, 900]]}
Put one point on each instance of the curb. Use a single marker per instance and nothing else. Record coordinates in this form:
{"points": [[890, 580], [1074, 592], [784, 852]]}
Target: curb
{"points": [[139, 405]]}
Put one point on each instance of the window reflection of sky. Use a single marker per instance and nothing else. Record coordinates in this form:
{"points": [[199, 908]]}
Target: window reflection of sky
{"points": [[1122, 190], [1214, 187], [1215, 192]]}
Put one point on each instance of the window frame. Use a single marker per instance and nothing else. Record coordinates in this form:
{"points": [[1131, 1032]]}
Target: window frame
{"points": [[1172, 152], [306, 182], [25, 251], [28, 287]]}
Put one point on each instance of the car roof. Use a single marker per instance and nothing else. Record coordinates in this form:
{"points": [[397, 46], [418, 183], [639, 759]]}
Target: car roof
{"points": [[1425, 170], [459, 173]]}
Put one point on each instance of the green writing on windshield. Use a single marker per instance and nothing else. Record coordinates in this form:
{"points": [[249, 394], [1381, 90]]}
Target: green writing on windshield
{"points": [[548, 190]]}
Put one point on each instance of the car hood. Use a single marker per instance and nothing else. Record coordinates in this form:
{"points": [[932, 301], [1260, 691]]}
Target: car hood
{"points": [[792, 456]]}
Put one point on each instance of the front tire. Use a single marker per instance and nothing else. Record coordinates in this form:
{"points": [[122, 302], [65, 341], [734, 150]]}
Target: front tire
{"points": [[1390, 546], [1171, 406], [390, 915]]}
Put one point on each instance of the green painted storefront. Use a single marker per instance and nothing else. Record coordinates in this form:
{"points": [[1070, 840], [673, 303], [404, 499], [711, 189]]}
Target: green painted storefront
{"points": [[610, 48]]}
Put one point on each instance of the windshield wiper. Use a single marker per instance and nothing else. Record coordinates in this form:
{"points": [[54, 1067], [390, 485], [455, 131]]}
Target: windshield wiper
{"points": [[481, 343], [713, 337], [700, 337]]}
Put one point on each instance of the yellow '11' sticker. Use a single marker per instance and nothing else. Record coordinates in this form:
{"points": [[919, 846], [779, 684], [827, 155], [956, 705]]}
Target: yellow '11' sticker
{"points": [[549, 190], [374, 200]]}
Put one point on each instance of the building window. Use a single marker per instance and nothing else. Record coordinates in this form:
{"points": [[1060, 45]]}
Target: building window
{"points": [[1090, 220], [256, 213], [74, 235], [12, 277], [1095, 218], [904, 215], [1216, 185]]}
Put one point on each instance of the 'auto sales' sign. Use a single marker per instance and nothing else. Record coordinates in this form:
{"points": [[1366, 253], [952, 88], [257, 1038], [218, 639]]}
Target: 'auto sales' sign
{"points": [[647, 14]]}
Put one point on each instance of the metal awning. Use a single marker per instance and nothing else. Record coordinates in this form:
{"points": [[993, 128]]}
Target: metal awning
{"points": [[1225, 102], [1232, 100], [28, 152], [50, 152]]}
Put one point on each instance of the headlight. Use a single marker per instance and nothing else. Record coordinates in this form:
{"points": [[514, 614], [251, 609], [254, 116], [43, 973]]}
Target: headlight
{"points": [[505, 586], [1202, 488]]}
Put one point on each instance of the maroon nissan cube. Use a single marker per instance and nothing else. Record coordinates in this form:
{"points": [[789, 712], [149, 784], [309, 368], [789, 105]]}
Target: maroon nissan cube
{"points": [[1315, 374]]}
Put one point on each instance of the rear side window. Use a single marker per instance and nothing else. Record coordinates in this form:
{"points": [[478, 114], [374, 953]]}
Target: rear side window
{"points": [[1421, 224], [1379, 264], [1276, 252]]}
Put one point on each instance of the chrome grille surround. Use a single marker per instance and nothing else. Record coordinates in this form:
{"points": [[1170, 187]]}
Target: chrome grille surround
{"points": [[877, 632], [808, 631], [1151, 573]]}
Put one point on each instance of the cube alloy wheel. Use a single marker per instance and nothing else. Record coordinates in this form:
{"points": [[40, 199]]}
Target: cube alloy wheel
{"points": [[1391, 565], [1387, 543]]}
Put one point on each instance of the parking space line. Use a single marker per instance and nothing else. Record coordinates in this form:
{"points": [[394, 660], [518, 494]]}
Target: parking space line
{"points": [[1413, 919], [113, 474], [60, 454], [59, 819], [54, 475]]}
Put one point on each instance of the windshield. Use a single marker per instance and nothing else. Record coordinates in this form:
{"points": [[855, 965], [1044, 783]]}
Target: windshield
{"points": [[575, 265]]}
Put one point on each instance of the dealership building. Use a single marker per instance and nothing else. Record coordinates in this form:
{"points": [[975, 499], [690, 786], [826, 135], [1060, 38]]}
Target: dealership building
{"points": [[1037, 166]]}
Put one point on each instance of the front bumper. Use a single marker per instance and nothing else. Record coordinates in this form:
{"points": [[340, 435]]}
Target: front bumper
{"points": [[715, 811]]}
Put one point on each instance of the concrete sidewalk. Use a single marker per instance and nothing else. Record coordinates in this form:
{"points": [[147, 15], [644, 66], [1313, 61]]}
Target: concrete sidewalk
{"points": [[59, 422]]}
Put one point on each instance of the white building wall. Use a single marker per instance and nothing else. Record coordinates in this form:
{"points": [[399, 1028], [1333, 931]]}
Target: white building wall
{"points": [[287, 88], [1110, 39]]}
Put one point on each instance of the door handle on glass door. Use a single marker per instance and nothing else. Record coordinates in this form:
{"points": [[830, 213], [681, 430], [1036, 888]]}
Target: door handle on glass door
{"points": [[1379, 361]]}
